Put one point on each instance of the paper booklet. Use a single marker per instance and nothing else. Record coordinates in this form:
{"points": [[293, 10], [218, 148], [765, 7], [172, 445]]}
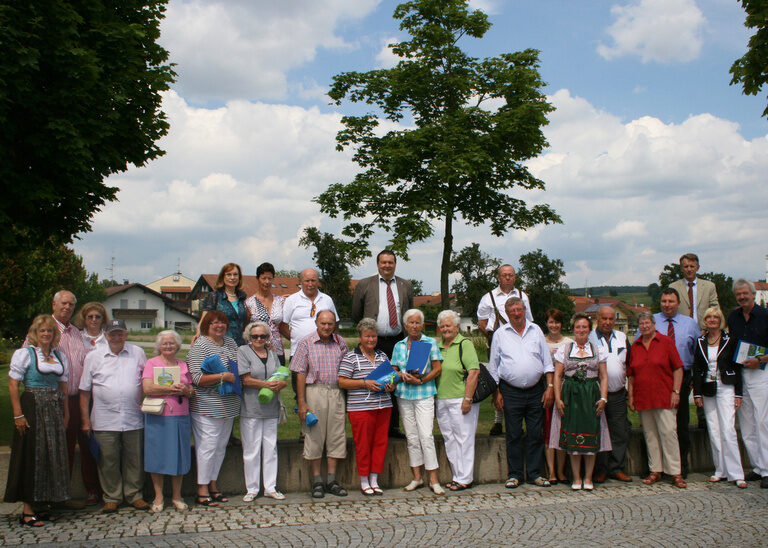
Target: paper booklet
{"points": [[746, 351], [167, 375]]}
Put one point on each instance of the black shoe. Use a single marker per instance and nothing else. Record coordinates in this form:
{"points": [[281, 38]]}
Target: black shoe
{"points": [[397, 434], [496, 429], [753, 476], [764, 482]]}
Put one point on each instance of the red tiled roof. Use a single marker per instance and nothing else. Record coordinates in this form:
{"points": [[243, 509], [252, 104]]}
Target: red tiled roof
{"points": [[761, 286], [174, 289], [433, 300]]}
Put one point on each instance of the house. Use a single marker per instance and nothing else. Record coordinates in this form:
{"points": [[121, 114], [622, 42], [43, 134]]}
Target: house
{"points": [[761, 293], [176, 287], [143, 309], [626, 314]]}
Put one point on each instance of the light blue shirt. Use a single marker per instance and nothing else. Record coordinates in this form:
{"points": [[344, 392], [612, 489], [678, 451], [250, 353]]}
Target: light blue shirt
{"points": [[520, 360], [400, 359]]}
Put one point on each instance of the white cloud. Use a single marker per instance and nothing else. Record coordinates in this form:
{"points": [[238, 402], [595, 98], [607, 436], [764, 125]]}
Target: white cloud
{"points": [[664, 31], [243, 48], [386, 58], [626, 229]]}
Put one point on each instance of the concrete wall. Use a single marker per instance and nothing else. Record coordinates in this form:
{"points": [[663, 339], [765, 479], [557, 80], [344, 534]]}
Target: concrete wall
{"points": [[490, 464]]}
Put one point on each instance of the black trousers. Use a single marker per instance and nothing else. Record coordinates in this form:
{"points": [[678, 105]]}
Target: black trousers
{"points": [[387, 345], [683, 420], [523, 404], [614, 461]]}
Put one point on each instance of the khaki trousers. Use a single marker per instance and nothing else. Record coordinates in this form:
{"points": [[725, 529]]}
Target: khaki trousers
{"points": [[660, 431], [121, 464]]}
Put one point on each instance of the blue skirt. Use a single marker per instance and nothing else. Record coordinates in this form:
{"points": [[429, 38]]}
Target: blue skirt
{"points": [[167, 444]]}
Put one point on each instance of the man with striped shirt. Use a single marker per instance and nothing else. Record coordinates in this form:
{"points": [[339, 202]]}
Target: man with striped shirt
{"points": [[316, 364]]}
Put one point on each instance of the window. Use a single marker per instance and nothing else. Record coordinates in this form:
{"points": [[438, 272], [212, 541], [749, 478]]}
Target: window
{"points": [[284, 286], [146, 324], [123, 303], [142, 304]]}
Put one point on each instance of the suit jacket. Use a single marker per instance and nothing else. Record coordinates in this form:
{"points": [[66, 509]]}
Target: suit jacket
{"points": [[365, 301], [706, 297], [730, 371]]}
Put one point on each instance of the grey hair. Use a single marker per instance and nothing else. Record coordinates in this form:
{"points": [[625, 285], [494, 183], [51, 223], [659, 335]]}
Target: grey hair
{"points": [[167, 333], [741, 282], [60, 293], [247, 330], [413, 312], [367, 324], [445, 314], [514, 300], [644, 314]]}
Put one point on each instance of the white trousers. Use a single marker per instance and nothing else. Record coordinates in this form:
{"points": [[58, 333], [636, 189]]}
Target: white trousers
{"points": [[418, 418], [753, 418], [211, 437], [721, 424], [459, 437], [259, 437]]}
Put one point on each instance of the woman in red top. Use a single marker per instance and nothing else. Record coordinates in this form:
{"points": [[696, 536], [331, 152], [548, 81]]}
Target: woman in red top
{"points": [[654, 376]]}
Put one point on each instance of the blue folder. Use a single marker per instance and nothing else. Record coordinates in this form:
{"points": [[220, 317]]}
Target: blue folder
{"points": [[93, 446], [418, 357], [384, 374]]}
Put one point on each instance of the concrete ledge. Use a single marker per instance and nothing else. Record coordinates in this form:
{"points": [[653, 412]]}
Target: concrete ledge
{"points": [[490, 464]]}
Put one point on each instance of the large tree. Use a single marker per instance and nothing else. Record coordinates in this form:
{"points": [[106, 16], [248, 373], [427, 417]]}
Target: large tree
{"points": [[477, 276], [80, 93], [334, 257], [467, 127], [542, 279], [751, 70]]}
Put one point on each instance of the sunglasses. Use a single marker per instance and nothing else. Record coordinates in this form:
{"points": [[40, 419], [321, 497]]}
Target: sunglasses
{"points": [[312, 312], [93, 317], [260, 337]]}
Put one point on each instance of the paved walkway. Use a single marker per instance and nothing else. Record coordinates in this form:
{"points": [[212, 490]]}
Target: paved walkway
{"points": [[614, 514]]}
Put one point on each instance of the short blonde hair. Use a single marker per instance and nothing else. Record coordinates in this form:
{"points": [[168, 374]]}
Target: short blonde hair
{"points": [[167, 333], [715, 311], [43, 320]]}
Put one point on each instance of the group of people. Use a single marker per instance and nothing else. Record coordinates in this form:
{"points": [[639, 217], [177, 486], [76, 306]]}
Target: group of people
{"points": [[131, 415]]}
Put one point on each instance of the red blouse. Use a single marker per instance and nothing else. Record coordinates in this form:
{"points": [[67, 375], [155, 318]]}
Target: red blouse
{"points": [[653, 370]]}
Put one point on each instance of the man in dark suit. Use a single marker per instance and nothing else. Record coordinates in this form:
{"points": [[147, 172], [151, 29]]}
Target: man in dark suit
{"points": [[384, 297]]}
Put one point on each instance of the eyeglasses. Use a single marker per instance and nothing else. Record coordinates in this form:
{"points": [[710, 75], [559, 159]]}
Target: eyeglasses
{"points": [[218, 322], [260, 337], [93, 317]]}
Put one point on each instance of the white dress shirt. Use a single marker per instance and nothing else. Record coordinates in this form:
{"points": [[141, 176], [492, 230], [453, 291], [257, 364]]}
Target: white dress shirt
{"points": [[520, 360], [485, 309], [616, 361], [115, 383], [297, 313], [382, 319]]}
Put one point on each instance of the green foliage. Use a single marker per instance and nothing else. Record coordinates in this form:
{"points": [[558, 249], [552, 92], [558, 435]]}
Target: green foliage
{"points": [[751, 70], [541, 278], [477, 276], [418, 286], [430, 311], [673, 272], [28, 281], [461, 158], [287, 273], [334, 257], [80, 85]]}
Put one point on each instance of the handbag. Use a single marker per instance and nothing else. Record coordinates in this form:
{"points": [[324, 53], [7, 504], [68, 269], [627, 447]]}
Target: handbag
{"points": [[709, 389], [153, 406], [485, 383]]}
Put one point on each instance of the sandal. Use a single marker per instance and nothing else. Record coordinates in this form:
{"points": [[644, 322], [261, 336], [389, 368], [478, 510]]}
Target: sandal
{"points": [[451, 485], [679, 482], [715, 479], [512, 483], [652, 478], [335, 489], [318, 491], [218, 496], [741, 484], [456, 486], [377, 490], [205, 501], [34, 522], [368, 491]]}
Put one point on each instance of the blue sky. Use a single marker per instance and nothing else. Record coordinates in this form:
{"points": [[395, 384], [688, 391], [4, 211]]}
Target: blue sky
{"points": [[652, 153]]}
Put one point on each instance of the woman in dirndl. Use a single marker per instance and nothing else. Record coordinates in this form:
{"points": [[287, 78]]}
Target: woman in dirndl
{"points": [[38, 473], [581, 391]]}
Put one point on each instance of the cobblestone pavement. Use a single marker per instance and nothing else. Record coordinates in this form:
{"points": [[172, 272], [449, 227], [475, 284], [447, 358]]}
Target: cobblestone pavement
{"points": [[614, 514]]}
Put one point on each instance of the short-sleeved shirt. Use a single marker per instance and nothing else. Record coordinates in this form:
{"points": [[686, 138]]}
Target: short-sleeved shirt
{"points": [[356, 365], [569, 365], [175, 406], [616, 363], [486, 311], [235, 312], [297, 313], [520, 360], [653, 371], [207, 401], [21, 360], [115, 382], [319, 360], [450, 383], [400, 360], [248, 363]]}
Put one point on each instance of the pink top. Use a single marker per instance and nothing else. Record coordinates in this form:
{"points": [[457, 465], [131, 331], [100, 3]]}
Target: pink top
{"points": [[172, 406]]}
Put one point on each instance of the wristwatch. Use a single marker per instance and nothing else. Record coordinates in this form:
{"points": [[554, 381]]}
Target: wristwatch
{"points": [[468, 399], [676, 392]]}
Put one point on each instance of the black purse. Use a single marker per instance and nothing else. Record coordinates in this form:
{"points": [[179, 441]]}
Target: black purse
{"points": [[709, 389], [485, 383]]}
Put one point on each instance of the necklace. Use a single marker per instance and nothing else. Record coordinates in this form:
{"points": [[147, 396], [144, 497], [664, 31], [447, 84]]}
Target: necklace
{"points": [[713, 343]]}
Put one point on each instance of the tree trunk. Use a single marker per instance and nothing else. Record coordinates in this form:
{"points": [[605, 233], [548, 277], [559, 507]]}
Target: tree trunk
{"points": [[446, 264]]}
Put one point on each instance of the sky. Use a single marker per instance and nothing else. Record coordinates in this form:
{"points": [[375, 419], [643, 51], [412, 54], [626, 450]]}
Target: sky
{"points": [[651, 154]]}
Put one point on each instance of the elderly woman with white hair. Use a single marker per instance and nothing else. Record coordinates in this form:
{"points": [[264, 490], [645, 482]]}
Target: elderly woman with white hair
{"points": [[416, 402], [167, 435], [456, 414]]}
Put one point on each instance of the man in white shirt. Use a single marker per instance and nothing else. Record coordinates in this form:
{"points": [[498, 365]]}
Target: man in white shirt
{"points": [[112, 374], [491, 315], [522, 365], [300, 309], [612, 463]]}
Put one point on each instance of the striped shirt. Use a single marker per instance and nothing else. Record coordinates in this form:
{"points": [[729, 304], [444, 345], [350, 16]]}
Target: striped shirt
{"points": [[71, 343], [319, 360], [400, 360], [356, 365], [207, 401]]}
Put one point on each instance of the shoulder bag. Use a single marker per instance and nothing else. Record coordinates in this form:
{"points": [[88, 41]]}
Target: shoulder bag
{"points": [[485, 383]]}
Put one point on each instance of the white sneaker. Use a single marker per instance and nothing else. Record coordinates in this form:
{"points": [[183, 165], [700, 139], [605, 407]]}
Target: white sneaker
{"points": [[413, 485], [249, 497], [277, 495]]}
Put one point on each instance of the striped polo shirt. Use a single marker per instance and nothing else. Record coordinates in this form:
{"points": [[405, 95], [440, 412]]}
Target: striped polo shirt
{"points": [[207, 401], [355, 365]]}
